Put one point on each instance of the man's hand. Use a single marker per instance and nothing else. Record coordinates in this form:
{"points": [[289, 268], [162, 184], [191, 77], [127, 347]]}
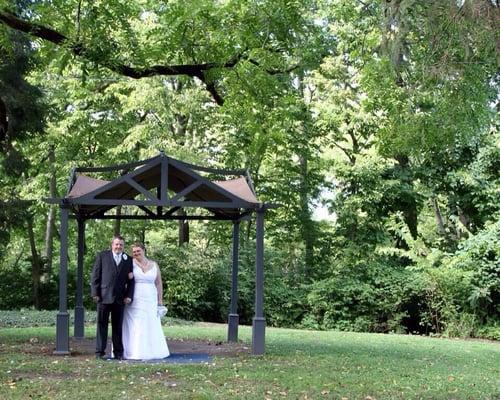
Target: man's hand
{"points": [[96, 298], [127, 300]]}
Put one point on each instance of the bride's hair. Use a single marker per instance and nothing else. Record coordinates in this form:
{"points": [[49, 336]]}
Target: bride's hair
{"points": [[139, 244]]}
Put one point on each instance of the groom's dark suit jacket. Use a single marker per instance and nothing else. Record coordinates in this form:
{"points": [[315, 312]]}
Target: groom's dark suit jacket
{"points": [[110, 281]]}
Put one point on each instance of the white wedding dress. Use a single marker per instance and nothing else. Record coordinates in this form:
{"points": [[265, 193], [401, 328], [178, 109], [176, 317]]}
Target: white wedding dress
{"points": [[142, 336]]}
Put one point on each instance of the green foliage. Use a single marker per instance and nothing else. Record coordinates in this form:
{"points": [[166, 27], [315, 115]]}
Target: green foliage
{"points": [[196, 282], [29, 318], [197, 286], [479, 256], [457, 293], [22, 99], [442, 294], [16, 286], [386, 109], [24, 318], [284, 293], [361, 293]]}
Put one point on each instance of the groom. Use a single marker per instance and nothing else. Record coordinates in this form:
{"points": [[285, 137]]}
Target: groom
{"points": [[111, 289]]}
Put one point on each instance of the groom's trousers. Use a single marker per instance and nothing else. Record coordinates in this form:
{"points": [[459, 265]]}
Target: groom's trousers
{"points": [[103, 313]]}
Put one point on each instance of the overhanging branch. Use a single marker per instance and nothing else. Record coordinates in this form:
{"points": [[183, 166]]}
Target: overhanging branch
{"points": [[274, 71], [193, 70], [33, 29], [199, 71]]}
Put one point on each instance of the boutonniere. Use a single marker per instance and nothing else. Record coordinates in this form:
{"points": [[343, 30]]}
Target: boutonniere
{"points": [[125, 257]]}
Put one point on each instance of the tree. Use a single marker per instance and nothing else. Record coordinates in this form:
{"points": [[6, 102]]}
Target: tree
{"points": [[129, 40], [21, 118]]}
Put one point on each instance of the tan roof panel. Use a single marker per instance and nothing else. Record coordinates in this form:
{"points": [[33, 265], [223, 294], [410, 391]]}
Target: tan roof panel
{"points": [[85, 184]]}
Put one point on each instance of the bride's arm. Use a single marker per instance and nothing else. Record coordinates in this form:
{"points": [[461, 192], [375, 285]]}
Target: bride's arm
{"points": [[159, 286]]}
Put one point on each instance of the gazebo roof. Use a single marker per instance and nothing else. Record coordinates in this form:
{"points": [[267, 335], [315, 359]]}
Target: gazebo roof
{"points": [[91, 197]]}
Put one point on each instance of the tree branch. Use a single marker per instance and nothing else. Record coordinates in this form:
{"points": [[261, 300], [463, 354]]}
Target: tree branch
{"points": [[274, 71], [78, 49], [348, 152], [31, 28]]}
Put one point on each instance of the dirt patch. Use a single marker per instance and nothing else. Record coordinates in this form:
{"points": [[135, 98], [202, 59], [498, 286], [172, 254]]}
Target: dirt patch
{"points": [[85, 348]]}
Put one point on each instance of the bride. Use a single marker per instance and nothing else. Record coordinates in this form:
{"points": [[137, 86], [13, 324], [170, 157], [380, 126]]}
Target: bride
{"points": [[143, 337]]}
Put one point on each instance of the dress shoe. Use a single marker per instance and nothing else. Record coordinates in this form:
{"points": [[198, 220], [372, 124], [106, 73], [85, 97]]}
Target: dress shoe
{"points": [[99, 356]]}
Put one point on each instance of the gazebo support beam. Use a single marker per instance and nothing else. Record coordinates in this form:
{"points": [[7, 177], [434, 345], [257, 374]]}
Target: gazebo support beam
{"points": [[79, 328], [233, 318], [167, 216], [259, 322], [62, 321]]}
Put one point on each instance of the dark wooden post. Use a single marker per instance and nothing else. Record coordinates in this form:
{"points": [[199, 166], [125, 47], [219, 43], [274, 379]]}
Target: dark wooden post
{"points": [[259, 322], [79, 328], [62, 321], [233, 318]]}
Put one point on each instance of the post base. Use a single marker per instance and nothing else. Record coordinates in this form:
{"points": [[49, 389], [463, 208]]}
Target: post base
{"points": [[79, 329], [62, 334], [61, 353], [232, 329], [258, 335]]}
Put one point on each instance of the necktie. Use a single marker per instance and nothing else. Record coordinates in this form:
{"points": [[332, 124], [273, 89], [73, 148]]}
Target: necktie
{"points": [[117, 259]]}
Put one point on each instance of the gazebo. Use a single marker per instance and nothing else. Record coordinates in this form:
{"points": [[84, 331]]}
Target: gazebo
{"points": [[224, 194]]}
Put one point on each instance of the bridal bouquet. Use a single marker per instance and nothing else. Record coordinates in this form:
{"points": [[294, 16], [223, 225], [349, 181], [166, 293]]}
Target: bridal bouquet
{"points": [[161, 311]]}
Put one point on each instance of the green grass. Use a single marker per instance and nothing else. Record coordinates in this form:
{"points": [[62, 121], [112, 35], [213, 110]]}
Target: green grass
{"points": [[29, 317], [298, 365]]}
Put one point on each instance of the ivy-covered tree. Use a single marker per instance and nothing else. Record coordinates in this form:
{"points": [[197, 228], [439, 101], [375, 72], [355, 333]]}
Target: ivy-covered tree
{"points": [[21, 119]]}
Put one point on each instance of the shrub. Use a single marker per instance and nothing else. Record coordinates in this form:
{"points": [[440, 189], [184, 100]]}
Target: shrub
{"points": [[360, 296], [460, 292]]}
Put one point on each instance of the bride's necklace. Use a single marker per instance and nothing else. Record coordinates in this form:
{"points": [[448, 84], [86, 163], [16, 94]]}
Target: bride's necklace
{"points": [[145, 266]]}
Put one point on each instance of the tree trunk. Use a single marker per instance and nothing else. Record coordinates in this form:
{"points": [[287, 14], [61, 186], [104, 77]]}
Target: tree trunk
{"points": [[4, 123], [36, 267], [248, 232], [306, 223], [118, 221], [439, 217], [465, 220], [143, 235], [408, 205], [51, 217], [395, 30], [394, 46], [179, 128], [305, 216], [183, 228]]}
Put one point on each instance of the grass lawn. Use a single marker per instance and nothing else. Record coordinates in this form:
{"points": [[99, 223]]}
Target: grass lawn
{"points": [[298, 364]]}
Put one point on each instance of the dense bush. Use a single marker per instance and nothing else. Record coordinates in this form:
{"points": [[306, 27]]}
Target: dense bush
{"points": [[195, 282], [457, 294], [364, 289], [16, 288], [480, 257], [197, 285], [28, 317], [284, 292], [359, 296]]}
